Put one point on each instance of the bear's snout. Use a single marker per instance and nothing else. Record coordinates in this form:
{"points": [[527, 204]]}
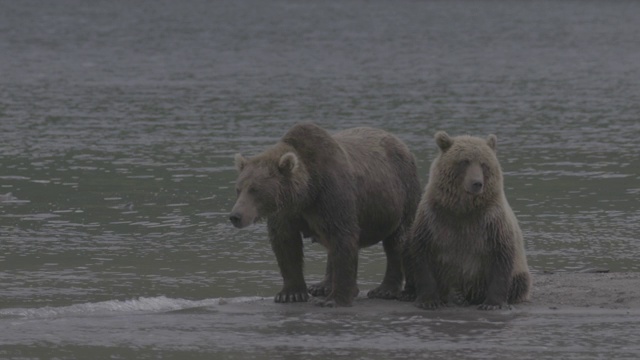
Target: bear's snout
{"points": [[476, 187], [236, 219], [474, 180], [244, 213]]}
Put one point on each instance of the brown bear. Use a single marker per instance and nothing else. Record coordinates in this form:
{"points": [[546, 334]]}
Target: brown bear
{"points": [[465, 240], [346, 191]]}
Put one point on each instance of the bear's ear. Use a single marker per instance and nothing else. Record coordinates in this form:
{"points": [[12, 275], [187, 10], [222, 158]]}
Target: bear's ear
{"points": [[288, 163], [240, 161], [492, 141], [443, 140]]}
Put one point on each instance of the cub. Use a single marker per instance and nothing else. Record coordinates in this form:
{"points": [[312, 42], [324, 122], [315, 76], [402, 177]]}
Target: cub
{"points": [[465, 240]]}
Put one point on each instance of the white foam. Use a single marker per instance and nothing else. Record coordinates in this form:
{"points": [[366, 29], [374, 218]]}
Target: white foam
{"points": [[141, 304]]}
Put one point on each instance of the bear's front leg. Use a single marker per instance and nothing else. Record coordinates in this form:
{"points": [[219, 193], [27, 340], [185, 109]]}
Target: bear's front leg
{"points": [[496, 295], [427, 292], [287, 246], [498, 282], [408, 293]]}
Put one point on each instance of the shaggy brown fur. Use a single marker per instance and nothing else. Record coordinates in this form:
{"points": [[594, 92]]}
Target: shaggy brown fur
{"points": [[465, 237], [346, 191]]}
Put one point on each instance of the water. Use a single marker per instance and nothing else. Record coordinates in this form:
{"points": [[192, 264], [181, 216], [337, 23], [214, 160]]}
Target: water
{"points": [[118, 125]]}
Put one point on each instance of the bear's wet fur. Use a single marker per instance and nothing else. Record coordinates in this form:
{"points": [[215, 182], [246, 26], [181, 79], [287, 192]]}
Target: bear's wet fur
{"points": [[345, 191], [465, 241]]}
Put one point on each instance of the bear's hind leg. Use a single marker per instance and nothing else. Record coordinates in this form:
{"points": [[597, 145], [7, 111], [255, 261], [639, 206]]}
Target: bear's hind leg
{"points": [[323, 288], [343, 258], [408, 293], [392, 282]]}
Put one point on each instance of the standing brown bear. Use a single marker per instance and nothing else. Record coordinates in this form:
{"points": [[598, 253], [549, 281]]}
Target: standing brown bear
{"points": [[346, 191], [465, 237]]}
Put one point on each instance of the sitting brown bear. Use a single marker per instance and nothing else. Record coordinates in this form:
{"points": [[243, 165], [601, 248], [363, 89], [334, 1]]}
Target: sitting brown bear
{"points": [[465, 237], [346, 191]]}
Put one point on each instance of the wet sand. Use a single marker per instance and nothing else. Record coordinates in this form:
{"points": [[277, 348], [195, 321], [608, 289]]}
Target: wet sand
{"points": [[585, 290], [570, 316], [551, 292], [571, 292]]}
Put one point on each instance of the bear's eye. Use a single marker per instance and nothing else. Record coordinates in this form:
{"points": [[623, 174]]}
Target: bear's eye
{"points": [[485, 168]]}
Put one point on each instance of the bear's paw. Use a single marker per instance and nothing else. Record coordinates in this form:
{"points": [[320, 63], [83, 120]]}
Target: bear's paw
{"points": [[503, 306], [429, 304], [320, 289], [288, 296], [384, 292]]}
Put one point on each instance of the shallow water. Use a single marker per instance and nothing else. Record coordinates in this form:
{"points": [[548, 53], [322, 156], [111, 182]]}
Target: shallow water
{"points": [[118, 123]]}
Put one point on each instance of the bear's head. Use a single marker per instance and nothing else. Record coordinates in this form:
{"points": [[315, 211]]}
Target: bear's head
{"points": [[466, 175], [267, 183]]}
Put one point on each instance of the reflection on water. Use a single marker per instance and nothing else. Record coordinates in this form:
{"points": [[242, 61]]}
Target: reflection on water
{"points": [[118, 128]]}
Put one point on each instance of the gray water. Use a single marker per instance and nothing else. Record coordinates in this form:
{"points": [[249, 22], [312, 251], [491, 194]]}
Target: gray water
{"points": [[119, 121]]}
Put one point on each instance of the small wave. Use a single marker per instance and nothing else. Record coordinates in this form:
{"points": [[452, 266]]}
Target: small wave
{"points": [[142, 304]]}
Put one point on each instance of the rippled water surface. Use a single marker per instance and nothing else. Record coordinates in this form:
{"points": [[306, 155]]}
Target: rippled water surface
{"points": [[119, 121]]}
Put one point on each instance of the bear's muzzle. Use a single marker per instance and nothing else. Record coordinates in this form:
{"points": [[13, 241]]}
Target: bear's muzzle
{"points": [[236, 220]]}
